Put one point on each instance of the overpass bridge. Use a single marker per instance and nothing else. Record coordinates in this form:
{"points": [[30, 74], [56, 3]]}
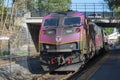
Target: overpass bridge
{"points": [[103, 21], [106, 22], [98, 13]]}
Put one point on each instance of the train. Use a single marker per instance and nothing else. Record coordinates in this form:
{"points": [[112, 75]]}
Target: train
{"points": [[67, 40]]}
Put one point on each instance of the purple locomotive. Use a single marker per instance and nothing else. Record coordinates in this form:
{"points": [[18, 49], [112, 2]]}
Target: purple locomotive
{"points": [[68, 40]]}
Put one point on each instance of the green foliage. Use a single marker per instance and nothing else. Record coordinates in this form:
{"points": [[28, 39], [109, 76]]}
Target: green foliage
{"points": [[117, 10], [118, 28], [5, 11], [113, 4], [0, 2], [108, 30], [118, 40], [22, 53], [30, 4], [47, 6], [3, 53]]}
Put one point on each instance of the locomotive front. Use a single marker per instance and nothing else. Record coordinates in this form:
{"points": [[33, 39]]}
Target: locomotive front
{"points": [[59, 39]]}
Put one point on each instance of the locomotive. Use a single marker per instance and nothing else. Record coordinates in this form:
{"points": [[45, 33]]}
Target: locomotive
{"points": [[68, 40]]}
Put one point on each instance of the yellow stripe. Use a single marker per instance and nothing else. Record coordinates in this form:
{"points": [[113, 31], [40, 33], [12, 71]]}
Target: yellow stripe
{"points": [[63, 42], [60, 43]]}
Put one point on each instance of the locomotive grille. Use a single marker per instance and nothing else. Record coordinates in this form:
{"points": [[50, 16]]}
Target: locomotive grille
{"points": [[72, 46]]}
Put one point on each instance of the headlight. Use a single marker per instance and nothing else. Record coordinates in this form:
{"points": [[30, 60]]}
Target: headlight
{"points": [[69, 31], [73, 45], [47, 47], [50, 32]]}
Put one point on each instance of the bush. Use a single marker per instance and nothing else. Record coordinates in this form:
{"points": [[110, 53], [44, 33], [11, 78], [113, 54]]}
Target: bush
{"points": [[3, 53]]}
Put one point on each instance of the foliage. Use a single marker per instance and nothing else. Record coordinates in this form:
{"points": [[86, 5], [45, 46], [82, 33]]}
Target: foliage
{"points": [[3, 53], [0, 2], [22, 53], [108, 30], [44, 7], [47, 6], [118, 27], [117, 10], [5, 11], [113, 4], [118, 40]]}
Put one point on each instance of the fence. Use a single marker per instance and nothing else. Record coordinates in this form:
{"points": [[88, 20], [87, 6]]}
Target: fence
{"points": [[87, 8]]}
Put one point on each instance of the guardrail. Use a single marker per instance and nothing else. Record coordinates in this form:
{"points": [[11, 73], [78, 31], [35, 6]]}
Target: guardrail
{"points": [[93, 9]]}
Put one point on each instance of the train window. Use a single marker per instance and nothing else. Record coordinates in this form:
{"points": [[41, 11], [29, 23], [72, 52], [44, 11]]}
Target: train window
{"points": [[52, 22], [76, 21]]}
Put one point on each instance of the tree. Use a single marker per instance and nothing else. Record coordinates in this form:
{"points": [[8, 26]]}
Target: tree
{"points": [[0, 2], [113, 4], [108, 30], [46, 6], [30, 4], [5, 11]]}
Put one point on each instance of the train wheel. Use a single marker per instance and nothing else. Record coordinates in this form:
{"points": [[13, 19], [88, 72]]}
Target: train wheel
{"points": [[91, 55], [83, 58]]}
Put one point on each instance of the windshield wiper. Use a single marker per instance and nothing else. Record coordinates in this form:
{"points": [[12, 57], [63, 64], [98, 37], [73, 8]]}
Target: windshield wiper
{"points": [[76, 25], [50, 26]]}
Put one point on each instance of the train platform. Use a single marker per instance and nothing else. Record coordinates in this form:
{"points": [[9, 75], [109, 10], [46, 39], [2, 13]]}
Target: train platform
{"points": [[109, 69]]}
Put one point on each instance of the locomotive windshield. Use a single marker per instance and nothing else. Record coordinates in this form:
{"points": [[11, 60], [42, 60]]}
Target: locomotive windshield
{"points": [[72, 21], [52, 22]]}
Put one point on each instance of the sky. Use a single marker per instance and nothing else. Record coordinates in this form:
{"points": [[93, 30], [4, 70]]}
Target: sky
{"points": [[10, 2], [89, 5], [87, 1], [79, 6], [74, 1]]}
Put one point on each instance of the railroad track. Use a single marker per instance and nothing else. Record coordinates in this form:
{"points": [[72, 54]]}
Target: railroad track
{"points": [[54, 76]]}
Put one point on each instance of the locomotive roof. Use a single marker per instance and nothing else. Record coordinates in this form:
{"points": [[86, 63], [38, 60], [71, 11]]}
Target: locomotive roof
{"points": [[69, 12]]}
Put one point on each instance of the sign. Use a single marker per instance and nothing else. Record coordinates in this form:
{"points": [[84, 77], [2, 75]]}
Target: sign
{"points": [[4, 38]]}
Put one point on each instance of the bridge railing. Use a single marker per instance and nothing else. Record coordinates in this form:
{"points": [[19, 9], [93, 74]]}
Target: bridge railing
{"points": [[102, 14], [95, 10], [90, 7]]}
